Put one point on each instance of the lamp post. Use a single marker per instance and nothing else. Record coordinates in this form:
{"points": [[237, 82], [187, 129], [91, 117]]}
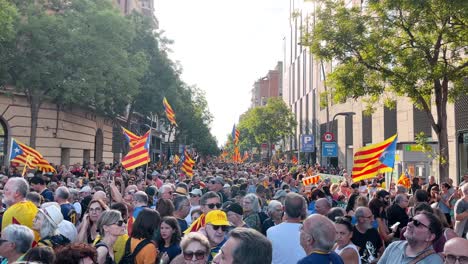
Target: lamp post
{"points": [[333, 120]]}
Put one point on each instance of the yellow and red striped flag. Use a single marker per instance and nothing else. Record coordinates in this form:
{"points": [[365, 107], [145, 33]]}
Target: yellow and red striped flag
{"points": [[294, 160], [176, 159], [187, 166], [405, 180], [138, 154], [246, 156], [310, 180], [235, 135], [169, 112], [31, 158], [131, 138], [374, 159]]}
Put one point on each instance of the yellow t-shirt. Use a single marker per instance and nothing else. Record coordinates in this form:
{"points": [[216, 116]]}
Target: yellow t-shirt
{"points": [[119, 246], [22, 213]]}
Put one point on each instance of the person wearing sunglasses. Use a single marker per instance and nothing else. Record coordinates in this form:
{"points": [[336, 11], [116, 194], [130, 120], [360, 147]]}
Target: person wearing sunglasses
{"points": [[110, 226], [455, 251], [423, 229], [215, 229], [208, 202], [195, 249]]}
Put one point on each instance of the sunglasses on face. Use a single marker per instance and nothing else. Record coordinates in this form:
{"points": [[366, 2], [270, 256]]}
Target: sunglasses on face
{"points": [[3, 241], [213, 205], [119, 223], [418, 223], [198, 255], [216, 228], [452, 259], [194, 195]]}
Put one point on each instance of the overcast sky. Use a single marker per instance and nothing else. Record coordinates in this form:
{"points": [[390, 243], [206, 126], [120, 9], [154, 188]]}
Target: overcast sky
{"points": [[224, 47]]}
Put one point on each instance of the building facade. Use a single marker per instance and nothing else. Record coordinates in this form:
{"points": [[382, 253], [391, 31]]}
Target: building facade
{"points": [[304, 90], [268, 86]]}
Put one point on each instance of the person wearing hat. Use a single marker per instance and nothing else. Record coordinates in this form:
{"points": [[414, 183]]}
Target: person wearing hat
{"points": [[216, 225], [216, 185], [47, 223], [280, 195], [234, 213]]}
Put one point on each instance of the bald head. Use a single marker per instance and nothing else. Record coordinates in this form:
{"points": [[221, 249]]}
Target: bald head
{"points": [[457, 247], [100, 195], [322, 231], [322, 206]]}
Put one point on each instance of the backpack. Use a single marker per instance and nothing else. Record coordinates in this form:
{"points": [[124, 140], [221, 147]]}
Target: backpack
{"points": [[129, 257]]}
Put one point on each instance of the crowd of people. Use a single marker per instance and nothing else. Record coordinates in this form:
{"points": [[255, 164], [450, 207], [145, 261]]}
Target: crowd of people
{"points": [[227, 213]]}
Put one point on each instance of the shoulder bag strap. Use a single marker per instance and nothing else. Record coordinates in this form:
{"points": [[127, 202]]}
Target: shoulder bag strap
{"points": [[422, 256]]}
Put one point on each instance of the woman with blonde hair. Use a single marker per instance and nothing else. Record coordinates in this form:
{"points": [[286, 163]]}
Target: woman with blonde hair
{"points": [[110, 226]]}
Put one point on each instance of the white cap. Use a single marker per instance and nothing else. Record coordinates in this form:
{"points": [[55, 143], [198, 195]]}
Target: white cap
{"points": [[227, 185]]}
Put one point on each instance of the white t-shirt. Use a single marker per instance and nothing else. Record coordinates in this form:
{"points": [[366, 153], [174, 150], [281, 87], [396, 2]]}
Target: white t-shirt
{"points": [[285, 239], [352, 246], [189, 216]]}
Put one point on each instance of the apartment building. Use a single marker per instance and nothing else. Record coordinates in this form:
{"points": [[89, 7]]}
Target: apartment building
{"points": [[304, 83]]}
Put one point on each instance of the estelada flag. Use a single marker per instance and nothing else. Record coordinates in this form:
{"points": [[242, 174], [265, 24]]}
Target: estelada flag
{"points": [[187, 165], [404, 180], [311, 180], [131, 138], [31, 158], [138, 154], [371, 160]]}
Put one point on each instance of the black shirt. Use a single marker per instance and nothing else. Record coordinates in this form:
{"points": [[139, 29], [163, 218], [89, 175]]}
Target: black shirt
{"points": [[368, 243], [397, 214]]}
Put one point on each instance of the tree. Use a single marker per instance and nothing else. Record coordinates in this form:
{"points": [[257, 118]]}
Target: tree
{"points": [[406, 48], [72, 53], [270, 123]]}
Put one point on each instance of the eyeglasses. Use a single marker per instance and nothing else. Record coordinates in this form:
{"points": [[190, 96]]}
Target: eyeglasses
{"points": [[131, 192], [368, 217], [216, 228], [418, 223], [451, 259], [213, 205], [198, 255], [3, 241], [193, 195], [213, 182], [119, 223]]}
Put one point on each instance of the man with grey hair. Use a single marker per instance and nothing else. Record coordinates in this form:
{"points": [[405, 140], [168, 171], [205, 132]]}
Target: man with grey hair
{"points": [[397, 213], [181, 210], [16, 240], [461, 213], [322, 206], [166, 191], [62, 196], [365, 237], [19, 210], [318, 236], [285, 236], [140, 201]]}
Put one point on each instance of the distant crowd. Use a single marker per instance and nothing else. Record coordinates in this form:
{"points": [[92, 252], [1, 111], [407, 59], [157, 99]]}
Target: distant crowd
{"points": [[227, 213]]}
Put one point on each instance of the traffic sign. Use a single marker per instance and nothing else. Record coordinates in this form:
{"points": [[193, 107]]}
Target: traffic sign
{"points": [[328, 137], [307, 143], [329, 149]]}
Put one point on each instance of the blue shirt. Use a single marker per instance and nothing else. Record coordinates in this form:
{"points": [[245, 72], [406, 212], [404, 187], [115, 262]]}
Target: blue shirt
{"points": [[313, 258]]}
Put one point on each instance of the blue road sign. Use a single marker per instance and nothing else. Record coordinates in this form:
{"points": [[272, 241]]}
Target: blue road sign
{"points": [[307, 143], [329, 149]]}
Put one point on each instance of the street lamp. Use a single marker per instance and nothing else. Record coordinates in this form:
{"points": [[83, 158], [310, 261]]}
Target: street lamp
{"points": [[340, 114]]}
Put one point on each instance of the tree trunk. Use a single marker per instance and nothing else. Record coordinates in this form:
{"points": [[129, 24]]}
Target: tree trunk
{"points": [[35, 105], [441, 103], [125, 146]]}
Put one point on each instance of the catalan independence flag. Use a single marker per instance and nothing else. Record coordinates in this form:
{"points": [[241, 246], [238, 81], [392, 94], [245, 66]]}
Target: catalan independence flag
{"points": [[187, 165], [405, 180], [372, 160], [31, 158], [169, 112], [235, 135], [131, 138], [139, 153]]}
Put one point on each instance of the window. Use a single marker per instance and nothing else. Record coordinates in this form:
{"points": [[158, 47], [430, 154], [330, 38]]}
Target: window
{"points": [[366, 129]]}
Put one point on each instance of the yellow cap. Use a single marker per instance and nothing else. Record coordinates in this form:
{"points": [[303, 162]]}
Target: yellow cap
{"points": [[217, 218]]}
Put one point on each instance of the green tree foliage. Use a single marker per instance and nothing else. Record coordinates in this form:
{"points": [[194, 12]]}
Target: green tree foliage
{"points": [[267, 124], [406, 48], [72, 54]]}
